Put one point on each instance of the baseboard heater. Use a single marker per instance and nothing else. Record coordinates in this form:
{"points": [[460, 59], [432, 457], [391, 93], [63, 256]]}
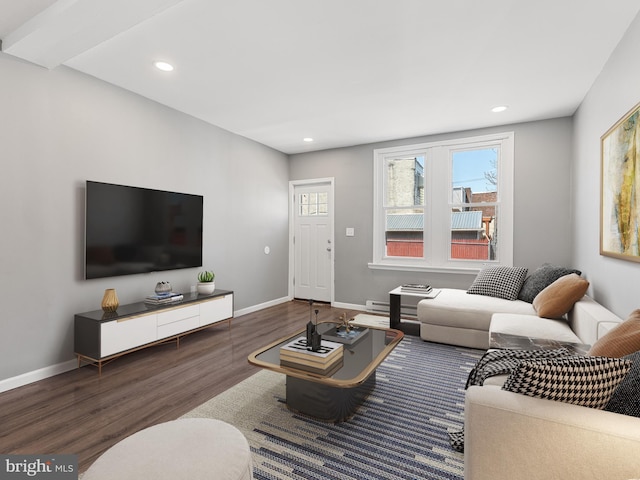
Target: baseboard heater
{"points": [[377, 306]]}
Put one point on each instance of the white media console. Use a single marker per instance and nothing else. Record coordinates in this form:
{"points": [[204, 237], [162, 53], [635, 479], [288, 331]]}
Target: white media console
{"points": [[103, 336]]}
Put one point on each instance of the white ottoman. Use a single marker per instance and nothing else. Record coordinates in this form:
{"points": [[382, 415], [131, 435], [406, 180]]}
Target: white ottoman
{"points": [[189, 448]]}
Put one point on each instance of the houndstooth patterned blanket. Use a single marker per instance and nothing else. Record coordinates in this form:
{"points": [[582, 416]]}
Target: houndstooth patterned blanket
{"points": [[500, 362]]}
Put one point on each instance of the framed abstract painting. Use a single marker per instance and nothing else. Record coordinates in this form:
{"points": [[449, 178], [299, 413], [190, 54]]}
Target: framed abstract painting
{"points": [[620, 189]]}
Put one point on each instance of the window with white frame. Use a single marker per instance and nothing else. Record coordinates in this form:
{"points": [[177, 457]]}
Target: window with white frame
{"points": [[444, 205]]}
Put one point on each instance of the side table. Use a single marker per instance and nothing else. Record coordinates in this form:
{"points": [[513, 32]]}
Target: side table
{"points": [[395, 303]]}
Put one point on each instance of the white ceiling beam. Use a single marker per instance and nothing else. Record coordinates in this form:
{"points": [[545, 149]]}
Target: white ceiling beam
{"points": [[70, 27]]}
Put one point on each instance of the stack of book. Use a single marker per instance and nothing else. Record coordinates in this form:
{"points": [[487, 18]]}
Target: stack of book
{"points": [[416, 288], [326, 361], [163, 298]]}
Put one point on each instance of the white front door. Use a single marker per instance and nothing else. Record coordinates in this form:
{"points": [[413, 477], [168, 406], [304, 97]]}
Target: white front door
{"points": [[313, 241]]}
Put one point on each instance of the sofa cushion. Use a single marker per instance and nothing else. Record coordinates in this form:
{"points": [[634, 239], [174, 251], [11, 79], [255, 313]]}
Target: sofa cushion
{"points": [[626, 398], [500, 281], [557, 299], [532, 326], [454, 308], [621, 340], [541, 278], [586, 381]]}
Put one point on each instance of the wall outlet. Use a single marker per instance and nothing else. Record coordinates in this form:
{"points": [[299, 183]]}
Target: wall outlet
{"points": [[351, 232]]}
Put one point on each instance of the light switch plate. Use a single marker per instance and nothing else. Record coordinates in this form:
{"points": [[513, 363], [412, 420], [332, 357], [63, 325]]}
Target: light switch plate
{"points": [[350, 232]]}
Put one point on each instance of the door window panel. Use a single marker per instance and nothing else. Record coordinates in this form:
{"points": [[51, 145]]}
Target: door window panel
{"points": [[313, 204]]}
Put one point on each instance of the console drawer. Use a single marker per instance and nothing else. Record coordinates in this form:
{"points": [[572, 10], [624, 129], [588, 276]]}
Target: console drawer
{"points": [[178, 314], [180, 326]]}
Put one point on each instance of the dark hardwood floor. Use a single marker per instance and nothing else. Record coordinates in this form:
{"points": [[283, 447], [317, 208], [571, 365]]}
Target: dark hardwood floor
{"points": [[82, 413]]}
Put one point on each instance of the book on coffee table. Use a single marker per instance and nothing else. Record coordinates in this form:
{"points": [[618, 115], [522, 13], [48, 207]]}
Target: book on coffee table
{"points": [[326, 370], [298, 349], [296, 354], [299, 346]]}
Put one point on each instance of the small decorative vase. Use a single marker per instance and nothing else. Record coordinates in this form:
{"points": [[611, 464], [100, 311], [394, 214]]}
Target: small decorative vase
{"points": [[110, 300], [206, 288], [163, 287]]}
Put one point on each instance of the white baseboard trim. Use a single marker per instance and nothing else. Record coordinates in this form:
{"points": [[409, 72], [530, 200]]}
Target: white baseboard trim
{"points": [[52, 370], [255, 308], [349, 306], [34, 376]]}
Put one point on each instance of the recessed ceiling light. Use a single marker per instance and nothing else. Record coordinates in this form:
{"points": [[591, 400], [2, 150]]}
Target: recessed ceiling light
{"points": [[499, 108], [307, 139], [164, 66]]}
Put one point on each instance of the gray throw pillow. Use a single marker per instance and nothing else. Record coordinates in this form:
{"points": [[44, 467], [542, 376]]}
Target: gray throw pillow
{"points": [[626, 398], [499, 282], [541, 278]]}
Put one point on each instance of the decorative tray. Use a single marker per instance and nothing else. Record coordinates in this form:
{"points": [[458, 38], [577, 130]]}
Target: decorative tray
{"points": [[339, 334]]}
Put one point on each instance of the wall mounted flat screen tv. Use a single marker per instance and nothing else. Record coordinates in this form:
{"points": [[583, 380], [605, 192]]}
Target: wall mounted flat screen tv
{"points": [[131, 230]]}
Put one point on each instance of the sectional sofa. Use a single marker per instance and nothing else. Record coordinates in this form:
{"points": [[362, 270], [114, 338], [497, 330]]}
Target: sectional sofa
{"points": [[509, 435], [457, 318]]}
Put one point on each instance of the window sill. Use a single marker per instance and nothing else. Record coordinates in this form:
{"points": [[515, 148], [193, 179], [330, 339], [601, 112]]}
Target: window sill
{"points": [[424, 268]]}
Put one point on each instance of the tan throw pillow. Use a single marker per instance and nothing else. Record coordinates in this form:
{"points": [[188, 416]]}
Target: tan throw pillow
{"points": [[622, 340], [558, 298]]}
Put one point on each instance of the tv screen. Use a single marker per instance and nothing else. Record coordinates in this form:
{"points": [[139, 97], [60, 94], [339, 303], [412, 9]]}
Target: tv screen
{"points": [[132, 230]]}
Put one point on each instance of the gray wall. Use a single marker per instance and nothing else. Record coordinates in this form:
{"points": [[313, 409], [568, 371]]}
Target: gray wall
{"points": [[60, 128], [542, 208], [614, 282]]}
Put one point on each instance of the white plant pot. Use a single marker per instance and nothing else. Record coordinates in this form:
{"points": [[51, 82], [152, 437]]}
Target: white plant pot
{"points": [[206, 288]]}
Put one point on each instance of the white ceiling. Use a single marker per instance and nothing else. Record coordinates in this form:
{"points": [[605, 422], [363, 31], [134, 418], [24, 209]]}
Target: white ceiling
{"points": [[344, 72]]}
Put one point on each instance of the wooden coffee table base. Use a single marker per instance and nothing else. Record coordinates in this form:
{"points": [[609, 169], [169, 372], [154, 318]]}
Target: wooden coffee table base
{"points": [[325, 402]]}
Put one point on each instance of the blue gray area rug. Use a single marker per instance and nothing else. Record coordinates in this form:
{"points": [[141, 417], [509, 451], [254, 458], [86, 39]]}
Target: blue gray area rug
{"points": [[400, 432]]}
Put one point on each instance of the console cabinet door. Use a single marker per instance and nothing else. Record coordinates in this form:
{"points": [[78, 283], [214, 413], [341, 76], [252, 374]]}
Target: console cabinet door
{"points": [[216, 310], [118, 336]]}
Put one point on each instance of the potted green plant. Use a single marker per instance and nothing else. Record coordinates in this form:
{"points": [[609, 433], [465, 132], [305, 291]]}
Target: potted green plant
{"points": [[206, 284]]}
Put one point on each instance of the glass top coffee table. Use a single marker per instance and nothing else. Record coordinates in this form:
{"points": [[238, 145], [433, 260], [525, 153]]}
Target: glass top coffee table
{"points": [[337, 396]]}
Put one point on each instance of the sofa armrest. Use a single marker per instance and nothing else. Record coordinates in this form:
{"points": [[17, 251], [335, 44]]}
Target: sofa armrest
{"points": [[512, 436]]}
